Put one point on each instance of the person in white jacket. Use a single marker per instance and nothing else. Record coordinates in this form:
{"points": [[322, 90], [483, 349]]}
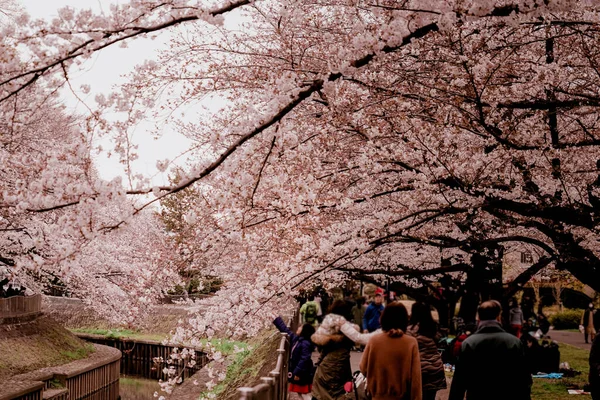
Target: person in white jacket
{"points": [[349, 330]]}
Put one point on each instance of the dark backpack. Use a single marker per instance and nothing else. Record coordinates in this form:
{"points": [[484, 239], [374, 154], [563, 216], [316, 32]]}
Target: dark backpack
{"points": [[310, 314]]}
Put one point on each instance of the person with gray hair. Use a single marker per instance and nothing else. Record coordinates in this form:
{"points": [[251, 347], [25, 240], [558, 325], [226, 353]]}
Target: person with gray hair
{"points": [[492, 364]]}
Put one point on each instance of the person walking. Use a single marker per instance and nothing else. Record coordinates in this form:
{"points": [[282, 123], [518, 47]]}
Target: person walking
{"points": [[370, 322], [391, 361], [492, 364], [301, 369], [515, 318], [424, 329], [587, 321], [595, 368], [333, 367], [309, 312], [358, 311]]}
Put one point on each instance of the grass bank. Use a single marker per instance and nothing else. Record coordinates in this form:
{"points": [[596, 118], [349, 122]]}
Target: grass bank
{"points": [[38, 344], [246, 367]]}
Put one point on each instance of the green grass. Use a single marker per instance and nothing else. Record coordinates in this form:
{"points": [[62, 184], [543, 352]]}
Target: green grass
{"points": [[79, 353], [244, 366], [556, 389], [235, 370], [122, 334], [55, 384], [226, 347]]}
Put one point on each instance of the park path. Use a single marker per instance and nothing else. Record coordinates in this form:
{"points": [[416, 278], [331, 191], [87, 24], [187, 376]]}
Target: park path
{"points": [[573, 338]]}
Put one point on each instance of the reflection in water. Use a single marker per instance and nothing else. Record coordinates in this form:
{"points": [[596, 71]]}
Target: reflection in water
{"points": [[134, 388]]}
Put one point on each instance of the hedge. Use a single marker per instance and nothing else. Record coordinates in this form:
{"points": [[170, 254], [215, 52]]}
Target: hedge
{"points": [[567, 319]]}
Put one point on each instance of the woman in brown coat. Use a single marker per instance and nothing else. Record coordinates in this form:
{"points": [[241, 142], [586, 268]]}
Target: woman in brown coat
{"points": [[424, 329], [391, 360]]}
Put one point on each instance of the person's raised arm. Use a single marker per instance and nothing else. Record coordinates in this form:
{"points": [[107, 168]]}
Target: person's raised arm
{"points": [[351, 333], [282, 327]]}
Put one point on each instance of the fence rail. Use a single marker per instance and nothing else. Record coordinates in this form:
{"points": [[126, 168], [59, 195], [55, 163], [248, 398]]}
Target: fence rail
{"points": [[20, 305], [274, 386]]}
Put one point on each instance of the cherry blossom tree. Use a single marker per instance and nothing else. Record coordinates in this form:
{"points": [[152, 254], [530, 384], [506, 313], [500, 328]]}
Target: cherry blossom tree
{"points": [[357, 139], [407, 140]]}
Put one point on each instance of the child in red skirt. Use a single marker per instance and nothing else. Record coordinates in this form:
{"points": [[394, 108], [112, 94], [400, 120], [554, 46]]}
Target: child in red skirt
{"points": [[301, 369]]}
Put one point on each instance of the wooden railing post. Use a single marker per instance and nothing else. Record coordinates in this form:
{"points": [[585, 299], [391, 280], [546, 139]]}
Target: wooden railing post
{"points": [[246, 393], [271, 383], [276, 376]]}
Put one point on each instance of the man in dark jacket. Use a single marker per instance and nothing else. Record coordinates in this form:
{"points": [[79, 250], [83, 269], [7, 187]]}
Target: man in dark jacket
{"points": [[595, 368], [491, 365], [373, 314]]}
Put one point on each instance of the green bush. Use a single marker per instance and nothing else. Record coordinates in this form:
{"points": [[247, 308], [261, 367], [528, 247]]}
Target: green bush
{"points": [[568, 319], [193, 285]]}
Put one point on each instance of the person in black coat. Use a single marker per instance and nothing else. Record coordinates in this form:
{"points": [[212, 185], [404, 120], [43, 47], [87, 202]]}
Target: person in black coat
{"points": [[301, 369], [492, 364], [532, 353], [595, 368]]}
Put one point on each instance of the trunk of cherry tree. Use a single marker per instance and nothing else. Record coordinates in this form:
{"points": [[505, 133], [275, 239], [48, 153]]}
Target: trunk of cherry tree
{"points": [[484, 281], [446, 309]]}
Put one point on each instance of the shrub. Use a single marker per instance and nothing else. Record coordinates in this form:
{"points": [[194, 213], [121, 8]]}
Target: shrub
{"points": [[568, 319]]}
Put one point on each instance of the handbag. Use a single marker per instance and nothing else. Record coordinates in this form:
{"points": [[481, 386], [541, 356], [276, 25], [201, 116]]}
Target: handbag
{"points": [[359, 385]]}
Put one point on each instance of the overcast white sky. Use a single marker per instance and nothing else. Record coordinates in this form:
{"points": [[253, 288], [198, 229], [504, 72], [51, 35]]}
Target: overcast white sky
{"points": [[103, 72]]}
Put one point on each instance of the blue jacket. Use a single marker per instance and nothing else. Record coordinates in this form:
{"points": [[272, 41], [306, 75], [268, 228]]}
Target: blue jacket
{"points": [[301, 364], [372, 316]]}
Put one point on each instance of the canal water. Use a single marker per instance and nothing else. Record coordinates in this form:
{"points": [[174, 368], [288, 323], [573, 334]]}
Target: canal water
{"points": [[136, 388]]}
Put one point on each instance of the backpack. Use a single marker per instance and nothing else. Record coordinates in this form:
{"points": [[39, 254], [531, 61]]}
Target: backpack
{"points": [[310, 314]]}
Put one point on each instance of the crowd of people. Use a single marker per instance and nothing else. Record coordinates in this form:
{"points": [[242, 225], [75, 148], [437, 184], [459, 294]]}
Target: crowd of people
{"points": [[401, 357]]}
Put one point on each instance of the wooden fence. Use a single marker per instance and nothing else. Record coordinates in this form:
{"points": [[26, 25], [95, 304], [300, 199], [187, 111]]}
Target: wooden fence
{"points": [[139, 357], [16, 306], [100, 383]]}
